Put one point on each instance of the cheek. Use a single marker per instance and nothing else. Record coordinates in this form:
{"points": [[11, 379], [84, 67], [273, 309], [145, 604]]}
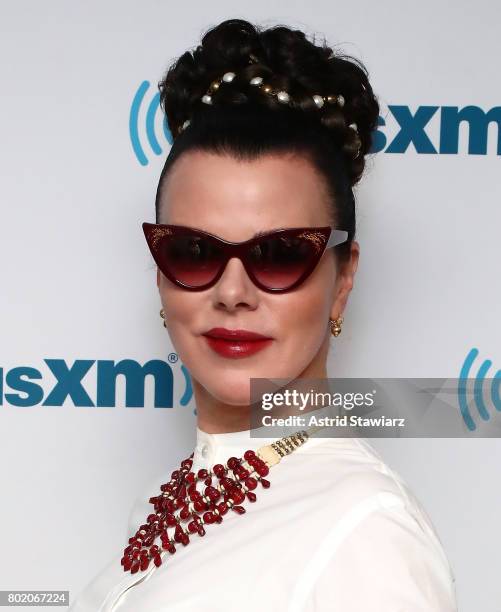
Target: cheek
{"points": [[302, 323], [183, 311], [303, 319], [306, 311]]}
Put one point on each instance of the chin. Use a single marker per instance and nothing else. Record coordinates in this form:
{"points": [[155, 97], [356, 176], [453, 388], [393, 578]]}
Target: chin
{"points": [[231, 389]]}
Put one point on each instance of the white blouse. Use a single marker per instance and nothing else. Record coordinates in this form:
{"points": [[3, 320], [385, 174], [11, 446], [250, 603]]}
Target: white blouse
{"points": [[337, 530]]}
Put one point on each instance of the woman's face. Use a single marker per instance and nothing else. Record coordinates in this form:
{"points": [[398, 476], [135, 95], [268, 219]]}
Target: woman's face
{"points": [[233, 200]]}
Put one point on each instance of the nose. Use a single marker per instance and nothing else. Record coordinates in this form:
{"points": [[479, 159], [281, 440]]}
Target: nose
{"points": [[234, 287]]}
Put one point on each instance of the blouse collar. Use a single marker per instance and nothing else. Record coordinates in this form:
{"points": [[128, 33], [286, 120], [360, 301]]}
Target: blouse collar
{"points": [[212, 448]]}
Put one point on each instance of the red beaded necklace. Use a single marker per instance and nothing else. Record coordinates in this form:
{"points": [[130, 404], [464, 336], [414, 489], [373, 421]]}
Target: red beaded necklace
{"points": [[180, 495]]}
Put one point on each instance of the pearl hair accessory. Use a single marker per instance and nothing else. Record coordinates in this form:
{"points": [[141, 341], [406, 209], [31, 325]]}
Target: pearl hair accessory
{"points": [[281, 95]]}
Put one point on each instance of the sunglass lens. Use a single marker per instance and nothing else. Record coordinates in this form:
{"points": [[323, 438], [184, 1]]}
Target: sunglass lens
{"points": [[279, 261], [193, 260]]}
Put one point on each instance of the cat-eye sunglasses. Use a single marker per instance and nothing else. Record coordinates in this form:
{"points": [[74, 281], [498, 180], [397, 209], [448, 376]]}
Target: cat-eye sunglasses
{"points": [[276, 261]]}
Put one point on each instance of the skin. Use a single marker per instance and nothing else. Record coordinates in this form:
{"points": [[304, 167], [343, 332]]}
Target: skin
{"points": [[234, 199]]}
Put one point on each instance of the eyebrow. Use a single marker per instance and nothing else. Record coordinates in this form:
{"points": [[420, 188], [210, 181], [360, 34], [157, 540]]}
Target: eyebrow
{"points": [[265, 232], [256, 235]]}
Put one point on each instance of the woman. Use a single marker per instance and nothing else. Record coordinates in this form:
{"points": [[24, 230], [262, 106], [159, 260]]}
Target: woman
{"points": [[270, 133]]}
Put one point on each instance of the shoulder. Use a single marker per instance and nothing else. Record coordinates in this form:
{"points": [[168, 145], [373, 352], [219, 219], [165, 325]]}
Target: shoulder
{"points": [[355, 482], [353, 465], [379, 549], [381, 561]]}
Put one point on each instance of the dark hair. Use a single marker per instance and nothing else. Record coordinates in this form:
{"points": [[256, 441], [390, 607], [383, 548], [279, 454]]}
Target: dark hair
{"points": [[245, 122]]}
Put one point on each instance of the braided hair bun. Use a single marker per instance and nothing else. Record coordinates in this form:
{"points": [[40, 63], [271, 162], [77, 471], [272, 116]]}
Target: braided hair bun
{"points": [[277, 69]]}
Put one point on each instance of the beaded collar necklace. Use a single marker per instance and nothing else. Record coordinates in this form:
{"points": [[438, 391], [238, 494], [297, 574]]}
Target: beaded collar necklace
{"points": [[182, 510]]}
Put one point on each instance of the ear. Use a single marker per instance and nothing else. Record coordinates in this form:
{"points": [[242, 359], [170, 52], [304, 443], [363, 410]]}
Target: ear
{"points": [[344, 281]]}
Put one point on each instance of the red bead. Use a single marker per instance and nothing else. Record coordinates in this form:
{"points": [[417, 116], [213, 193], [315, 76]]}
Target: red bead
{"points": [[195, 495], [144, 563], [262, 470], [249, 454], [192, 526], [185, 512], [212, 493], [265, 483], [202, 474], [171, 520], [218, 470], [227, 483], [159, 527], [251, 483], [178, 533], [237, 496], [242, 473], [134, 567], [190, 477], [179, 502], [157, 559], [223, 508], [149, 540], [232, 463], [239, 509], [208, 517], [127, 564], [201, 530], [199, 505], [251, 496]]}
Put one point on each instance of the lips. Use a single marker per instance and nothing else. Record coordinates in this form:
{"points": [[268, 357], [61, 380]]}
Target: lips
{"points": [[236, 343], [235, 334]]}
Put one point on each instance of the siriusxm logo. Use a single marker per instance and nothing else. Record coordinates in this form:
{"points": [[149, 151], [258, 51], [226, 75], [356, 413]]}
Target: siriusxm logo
{"points": [[146, 120], [18, 386], [478, 390]]}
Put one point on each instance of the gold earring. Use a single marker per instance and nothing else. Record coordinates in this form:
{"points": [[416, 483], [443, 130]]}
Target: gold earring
{"points": [[336, 326], [162, 314]]}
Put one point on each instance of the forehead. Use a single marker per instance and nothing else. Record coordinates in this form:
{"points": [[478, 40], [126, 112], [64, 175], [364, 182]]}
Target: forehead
{"points": [[224, 195]]}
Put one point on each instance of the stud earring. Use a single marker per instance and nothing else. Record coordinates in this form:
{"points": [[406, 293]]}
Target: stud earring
{"points": [[162, 314], [336, 326]]}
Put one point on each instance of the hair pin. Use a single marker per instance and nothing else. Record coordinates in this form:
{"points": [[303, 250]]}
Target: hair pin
{"points": [[281, 95]]}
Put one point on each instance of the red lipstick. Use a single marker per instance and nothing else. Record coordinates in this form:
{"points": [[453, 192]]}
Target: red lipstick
{"points": [[235, 343]]}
